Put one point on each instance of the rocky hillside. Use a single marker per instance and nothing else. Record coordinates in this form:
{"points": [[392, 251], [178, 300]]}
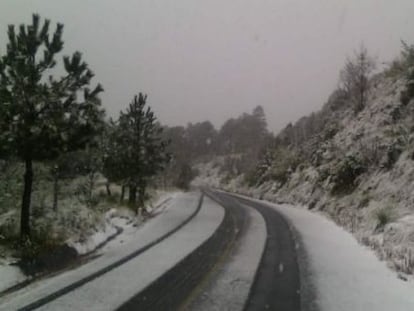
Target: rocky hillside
{"points": [[356, 168]]}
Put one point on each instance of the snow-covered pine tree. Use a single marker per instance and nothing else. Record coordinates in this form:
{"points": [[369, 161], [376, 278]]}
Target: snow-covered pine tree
{"points": [[42, 116], [138, 151]]}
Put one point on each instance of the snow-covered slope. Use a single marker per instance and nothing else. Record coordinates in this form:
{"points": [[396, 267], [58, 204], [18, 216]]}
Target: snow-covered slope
{"points": [[378, 207]]}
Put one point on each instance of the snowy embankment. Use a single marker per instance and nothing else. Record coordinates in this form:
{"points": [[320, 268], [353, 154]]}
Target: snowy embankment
{"points": [[117, 220], [120, 226], [345, 275]]}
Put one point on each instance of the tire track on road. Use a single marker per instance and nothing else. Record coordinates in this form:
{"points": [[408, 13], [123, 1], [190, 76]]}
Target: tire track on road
{"points": [[277, 282], [174, 289]]}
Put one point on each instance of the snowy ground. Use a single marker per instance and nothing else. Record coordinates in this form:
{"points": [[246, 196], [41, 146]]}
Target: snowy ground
{"points": [[120, 219], [10, 275], [346, 275]]}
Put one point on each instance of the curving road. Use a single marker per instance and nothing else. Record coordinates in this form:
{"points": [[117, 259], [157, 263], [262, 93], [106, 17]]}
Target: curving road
{"points": [[277, 283], [274, 286], [175, 288]]}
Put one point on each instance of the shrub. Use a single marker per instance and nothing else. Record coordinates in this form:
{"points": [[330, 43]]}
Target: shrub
{"points": [[364, 201], [112, 199], [280, 163], [330, 131], [396, 114], [10, 185], [42, 240], [85, 195], [372, 153], [405, 97], [323, 174], [383, 216], [393, 153], [286, 161], [9, 229], [251, 178], [396, 68], [345, 173], [407, 56], [185, 176]]}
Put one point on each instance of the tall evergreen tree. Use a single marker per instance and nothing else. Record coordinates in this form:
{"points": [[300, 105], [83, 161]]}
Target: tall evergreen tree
{"points": [[140, 148], [355, 77], [42, 116]]}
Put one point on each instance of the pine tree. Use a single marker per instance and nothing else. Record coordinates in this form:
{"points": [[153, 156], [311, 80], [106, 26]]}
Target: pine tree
{"points": [[137, 150], [42, 116], [355, 77]]}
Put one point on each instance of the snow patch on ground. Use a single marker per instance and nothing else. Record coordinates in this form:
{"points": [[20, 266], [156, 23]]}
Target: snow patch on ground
{"points": [[10, 275], [95, 240], [118, 220]]}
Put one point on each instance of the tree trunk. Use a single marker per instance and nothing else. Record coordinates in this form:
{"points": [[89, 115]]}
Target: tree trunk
{"points": [[91, 185], [27, 193], [121, 200], [55, 187], [55, 192], [132, 200], [141, 198], [108, 189]]}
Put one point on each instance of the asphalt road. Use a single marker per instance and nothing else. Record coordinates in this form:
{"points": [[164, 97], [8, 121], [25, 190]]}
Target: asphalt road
{"points": [[277, 283], [178, 286]]}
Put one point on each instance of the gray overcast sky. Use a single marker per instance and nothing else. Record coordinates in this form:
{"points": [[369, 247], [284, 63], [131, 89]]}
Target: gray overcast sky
{"points": [[214, 59]]}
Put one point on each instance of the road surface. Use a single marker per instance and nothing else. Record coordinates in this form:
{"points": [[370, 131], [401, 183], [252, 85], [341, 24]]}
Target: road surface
{"points": [[186, 263]]}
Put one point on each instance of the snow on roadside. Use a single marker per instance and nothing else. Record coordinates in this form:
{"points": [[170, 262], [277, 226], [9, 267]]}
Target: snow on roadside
{"points": [[10, 275], [347, 275], [95, 240], [117, 220]]}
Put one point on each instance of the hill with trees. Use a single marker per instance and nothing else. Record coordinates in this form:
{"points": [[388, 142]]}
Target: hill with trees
{"points": [[352, 160]]}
